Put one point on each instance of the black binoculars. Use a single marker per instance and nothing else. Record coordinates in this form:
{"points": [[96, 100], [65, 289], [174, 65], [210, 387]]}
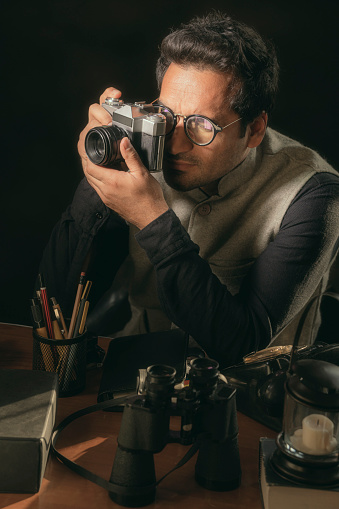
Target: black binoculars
{"points": [[207, 409]]}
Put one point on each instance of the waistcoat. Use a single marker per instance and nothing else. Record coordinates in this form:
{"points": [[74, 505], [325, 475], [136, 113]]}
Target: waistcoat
{"points": [[233, 228]]}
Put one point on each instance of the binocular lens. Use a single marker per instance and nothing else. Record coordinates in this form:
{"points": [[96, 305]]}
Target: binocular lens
{"points": [[160, 381], [102, 144], [160, 371], [204, 374]]}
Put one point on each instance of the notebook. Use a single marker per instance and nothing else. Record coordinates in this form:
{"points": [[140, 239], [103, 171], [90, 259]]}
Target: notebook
{"points": [[126, 355]]}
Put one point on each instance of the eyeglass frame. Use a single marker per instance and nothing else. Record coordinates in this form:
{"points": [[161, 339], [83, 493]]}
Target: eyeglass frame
{"points": [[216, 128]]}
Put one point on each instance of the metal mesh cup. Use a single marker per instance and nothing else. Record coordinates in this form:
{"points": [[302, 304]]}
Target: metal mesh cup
{"points": [[66, 357]]}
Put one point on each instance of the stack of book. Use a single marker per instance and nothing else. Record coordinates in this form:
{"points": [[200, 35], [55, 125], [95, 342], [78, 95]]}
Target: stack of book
{"points": [[278, 493]]}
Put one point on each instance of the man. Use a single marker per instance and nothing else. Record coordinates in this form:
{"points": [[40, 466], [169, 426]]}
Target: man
{"points": [[236, 235]]}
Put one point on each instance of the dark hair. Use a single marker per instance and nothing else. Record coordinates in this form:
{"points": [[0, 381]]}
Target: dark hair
{"points": [[219, 43]]}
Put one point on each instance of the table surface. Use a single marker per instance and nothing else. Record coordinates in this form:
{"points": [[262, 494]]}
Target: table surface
{"points": [[91, 442]]}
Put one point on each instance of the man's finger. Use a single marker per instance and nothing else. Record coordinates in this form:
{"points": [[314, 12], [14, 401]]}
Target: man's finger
{"points": [[99, 114], [110, 92], [131, 157], [81, 142]]}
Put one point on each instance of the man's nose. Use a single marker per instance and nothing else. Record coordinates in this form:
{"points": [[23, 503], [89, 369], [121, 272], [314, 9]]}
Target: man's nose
{"points": [[178, 142]]}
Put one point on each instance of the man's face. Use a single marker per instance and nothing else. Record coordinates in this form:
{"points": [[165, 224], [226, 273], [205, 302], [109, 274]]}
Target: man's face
{"points": [[187, 166]]}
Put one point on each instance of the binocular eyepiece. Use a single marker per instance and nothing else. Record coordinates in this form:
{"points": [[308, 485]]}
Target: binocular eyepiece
{"points": [[159, 383], [208, 419]]}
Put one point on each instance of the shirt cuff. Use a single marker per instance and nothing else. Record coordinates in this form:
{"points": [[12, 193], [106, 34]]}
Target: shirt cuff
{"points": [[164, 238]]}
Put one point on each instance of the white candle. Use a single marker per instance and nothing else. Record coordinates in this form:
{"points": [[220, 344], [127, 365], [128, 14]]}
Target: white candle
{"points": [[316, 436]]}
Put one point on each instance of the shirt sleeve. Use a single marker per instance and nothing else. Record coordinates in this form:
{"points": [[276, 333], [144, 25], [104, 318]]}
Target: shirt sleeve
{"points": [[88, 235], [278, 284]]}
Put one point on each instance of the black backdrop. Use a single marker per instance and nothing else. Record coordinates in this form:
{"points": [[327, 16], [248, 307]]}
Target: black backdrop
{"points": [[58, 56]]}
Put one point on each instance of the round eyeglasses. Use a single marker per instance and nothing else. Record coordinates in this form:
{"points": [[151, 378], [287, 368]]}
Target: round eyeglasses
{"points": [[199, 129]]}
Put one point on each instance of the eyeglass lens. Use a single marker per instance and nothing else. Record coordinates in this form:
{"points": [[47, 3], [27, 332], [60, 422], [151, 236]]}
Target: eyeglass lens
{"points": [[198, 128]]}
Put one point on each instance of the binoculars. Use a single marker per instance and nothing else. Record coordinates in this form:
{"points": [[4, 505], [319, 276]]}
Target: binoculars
{"points": [[207, 409]]}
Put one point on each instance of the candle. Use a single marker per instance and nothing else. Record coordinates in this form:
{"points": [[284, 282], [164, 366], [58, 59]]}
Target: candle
{"points": [[316, 436], [317, 433]]}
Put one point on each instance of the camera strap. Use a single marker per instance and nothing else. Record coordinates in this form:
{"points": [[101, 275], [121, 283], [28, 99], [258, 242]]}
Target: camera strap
{"points": [[87, 474]]}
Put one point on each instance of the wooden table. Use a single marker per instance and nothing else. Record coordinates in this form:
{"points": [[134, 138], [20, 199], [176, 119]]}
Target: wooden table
{"points": [[91, 442]]}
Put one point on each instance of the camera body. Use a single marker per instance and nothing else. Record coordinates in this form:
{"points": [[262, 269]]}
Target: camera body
{"points": [[145, 130], [260, 379], [208, 420]]}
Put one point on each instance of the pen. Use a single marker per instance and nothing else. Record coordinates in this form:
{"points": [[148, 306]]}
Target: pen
{"points": [[82, 307], [76, 305], [45, 306], [59, 317], [79, 318], [83, 319], [56, 330], [86, 290], [38, 319]]}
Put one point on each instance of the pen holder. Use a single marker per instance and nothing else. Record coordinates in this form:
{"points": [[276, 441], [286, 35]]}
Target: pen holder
{"points": [[66, 357]]}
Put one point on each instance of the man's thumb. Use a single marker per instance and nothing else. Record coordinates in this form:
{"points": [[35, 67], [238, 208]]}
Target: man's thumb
{"points": [[131, 156]]}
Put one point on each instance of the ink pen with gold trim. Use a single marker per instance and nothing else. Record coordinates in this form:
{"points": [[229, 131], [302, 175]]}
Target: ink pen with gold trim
{"points": [[59, 317], [83, 308], [38, 319], [76, 305]]}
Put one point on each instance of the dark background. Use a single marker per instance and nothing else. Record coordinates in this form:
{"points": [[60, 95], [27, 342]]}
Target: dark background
{"points": [[58, 56]]}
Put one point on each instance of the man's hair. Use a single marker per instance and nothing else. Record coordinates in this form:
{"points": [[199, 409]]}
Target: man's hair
{"points": [[219, 43]]}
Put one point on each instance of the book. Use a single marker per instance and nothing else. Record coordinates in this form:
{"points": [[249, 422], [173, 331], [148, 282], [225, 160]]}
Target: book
{"points": [[279, 493], [28, 402], [126, 355]]}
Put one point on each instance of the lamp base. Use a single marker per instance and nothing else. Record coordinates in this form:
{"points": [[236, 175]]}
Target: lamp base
{"points": [[311, 471]]}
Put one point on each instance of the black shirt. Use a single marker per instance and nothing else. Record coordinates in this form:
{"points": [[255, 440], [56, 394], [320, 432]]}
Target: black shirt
{"points": [[226, 326]]}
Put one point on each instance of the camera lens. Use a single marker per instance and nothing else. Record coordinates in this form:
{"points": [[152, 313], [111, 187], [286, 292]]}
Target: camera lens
{"points": [[204, 374], [102, 145], [160, 381]]}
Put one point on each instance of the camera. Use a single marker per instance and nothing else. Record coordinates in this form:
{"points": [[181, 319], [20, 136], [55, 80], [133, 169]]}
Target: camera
{"points": [[208, 421], [145, 130], [260, 379]]}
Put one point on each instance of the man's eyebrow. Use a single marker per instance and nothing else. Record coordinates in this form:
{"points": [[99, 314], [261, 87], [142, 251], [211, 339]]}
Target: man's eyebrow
{"points": [[209, 118]]}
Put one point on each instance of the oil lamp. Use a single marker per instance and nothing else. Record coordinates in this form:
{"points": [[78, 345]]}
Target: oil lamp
{"points": [[308, 446]]}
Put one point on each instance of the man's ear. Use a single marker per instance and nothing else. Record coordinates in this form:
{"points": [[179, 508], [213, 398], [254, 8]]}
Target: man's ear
{"points": [[256, 130]]}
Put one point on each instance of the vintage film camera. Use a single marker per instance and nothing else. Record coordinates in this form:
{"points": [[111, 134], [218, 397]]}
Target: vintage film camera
{"points": [[260, 379], [208, 420], [145, 130]]}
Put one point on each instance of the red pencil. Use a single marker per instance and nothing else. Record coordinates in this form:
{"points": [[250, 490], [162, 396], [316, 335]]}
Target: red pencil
{"points": [[45, 305]]}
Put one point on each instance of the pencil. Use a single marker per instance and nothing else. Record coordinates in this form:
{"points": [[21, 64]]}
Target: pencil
{"points": [[45, 306], [76, 305]]}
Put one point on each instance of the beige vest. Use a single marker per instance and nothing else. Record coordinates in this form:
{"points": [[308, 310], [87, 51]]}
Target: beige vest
{"points": [[234, 227]]}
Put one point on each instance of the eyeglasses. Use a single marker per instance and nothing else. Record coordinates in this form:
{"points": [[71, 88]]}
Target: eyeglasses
{"points": [[199, 129]]}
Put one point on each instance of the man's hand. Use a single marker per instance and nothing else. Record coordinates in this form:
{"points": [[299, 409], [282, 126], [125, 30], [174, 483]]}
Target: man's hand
{"points": [[134, 194], [97, 116]]}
